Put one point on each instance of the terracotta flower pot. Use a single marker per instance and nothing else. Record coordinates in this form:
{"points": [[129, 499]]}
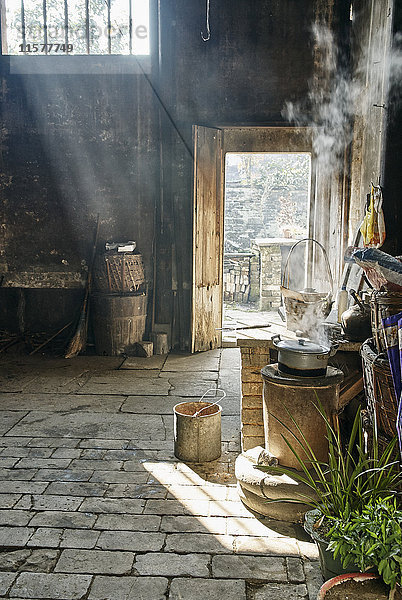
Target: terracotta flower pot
{"points": [[345, 580]]}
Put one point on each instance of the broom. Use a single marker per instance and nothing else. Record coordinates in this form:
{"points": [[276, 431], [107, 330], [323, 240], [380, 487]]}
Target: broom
{"points": [[79, 340]]}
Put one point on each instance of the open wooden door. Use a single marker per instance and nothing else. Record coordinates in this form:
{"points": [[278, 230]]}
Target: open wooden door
{"points": [[206, 316]]}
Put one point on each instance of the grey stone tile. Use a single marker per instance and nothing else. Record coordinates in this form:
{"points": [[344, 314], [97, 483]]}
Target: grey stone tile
{"points": [[101, 465], [83, 424], [29, 559], [203, 361], [274, 591], [171, 565], [63, 475], [95, 561], [295, 570], [49, 502], [16, 474], [275, 546], [128, 522], [122, 490], [105, 444], [113, 505], [43, 463], [53, 442], [314, 579], [213, 589], [6, 579], [8, 419], [137, 465], [134, 541], [181, 524], [76, 488], [193, 387], [66, 453], [177, 507], [137, 362], [158, 405], [249, 567], [46, 537], [127, 382], [230, 359], [8, 500], [199, 542], [8, 462], [77, 538], [128, 588], [120, 477], [16, 452], [72, 520], [59, 402], [51, 585], [16, 518], [15, 536], [23, 487], [13, 441], [229, 380]]}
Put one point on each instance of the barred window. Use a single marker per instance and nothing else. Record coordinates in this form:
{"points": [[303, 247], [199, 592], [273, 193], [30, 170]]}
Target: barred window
{"points": [[76, 27]]}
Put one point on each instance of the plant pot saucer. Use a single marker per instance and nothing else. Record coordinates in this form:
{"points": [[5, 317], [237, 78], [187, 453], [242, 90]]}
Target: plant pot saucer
{"points": [[355, 586]]}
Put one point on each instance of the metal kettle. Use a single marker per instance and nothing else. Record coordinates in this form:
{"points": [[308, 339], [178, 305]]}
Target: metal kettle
{"points": [[356, 322]]}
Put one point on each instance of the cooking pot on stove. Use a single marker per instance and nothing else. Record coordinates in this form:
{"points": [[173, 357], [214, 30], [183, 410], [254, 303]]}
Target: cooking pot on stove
{"points": [[302, 357]]}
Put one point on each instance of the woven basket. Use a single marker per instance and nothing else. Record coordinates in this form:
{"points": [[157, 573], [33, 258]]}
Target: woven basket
{"points": [[379, 387], [119, 273], [383, 304]]}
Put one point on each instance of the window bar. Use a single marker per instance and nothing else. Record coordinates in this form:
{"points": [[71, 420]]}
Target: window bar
{"points": [[45, 25], [3, 17], [109, 28], [66, 24], [24, 39], [87, 23], [130, 27]]}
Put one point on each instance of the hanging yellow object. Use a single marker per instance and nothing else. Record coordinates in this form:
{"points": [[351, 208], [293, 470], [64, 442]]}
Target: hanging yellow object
{"points": [[373, 224]]}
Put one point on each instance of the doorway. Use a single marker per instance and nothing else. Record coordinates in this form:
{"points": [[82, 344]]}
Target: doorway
{"points": [[211, 145], [266, 210]]}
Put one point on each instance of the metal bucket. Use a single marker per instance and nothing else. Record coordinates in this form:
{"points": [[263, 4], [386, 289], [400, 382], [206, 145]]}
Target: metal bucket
{"points": [[197, 431]]}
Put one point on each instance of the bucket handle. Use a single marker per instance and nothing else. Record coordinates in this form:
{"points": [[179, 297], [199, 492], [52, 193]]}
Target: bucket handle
{"points": [[286, 270], [213, 403]]}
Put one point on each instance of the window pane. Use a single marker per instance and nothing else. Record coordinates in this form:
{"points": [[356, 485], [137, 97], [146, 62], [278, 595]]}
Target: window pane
{"points": [[14, 26], [76, 26], [140, 11], [34, 31], [120, 33], [55, 23], [98, 39]]}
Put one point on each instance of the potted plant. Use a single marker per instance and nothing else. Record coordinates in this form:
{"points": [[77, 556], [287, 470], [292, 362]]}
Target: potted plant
{"points": [[370, 538], [351, 479]]}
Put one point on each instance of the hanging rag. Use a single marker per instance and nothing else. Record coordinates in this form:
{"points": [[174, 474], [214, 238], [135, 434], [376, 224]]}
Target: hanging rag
{"points": [[373, 224]]}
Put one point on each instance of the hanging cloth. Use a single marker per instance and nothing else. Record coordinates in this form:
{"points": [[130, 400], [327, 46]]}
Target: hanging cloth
{"points": [[373, 224]]}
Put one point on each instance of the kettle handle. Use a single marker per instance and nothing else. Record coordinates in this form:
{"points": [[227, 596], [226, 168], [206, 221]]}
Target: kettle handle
{"points": [[276, 338]]}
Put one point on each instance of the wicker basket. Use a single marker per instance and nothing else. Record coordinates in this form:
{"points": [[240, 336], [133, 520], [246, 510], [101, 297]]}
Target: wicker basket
{"points": [[119, 273], [383, 304], [379, 387]]}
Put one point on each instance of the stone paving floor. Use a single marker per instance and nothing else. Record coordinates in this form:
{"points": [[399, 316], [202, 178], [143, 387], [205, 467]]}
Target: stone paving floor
{"points": [[94, 505]]}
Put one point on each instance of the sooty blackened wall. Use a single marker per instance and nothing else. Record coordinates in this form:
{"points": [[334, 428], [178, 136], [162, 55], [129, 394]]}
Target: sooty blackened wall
{"points": [[120, 145]]}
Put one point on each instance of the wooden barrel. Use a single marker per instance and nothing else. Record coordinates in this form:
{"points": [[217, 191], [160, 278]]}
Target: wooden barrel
{"points": [[118, 322]]}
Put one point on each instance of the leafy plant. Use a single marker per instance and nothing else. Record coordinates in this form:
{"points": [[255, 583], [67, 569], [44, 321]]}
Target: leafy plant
{"points": [[370, 538], [350, 479]]}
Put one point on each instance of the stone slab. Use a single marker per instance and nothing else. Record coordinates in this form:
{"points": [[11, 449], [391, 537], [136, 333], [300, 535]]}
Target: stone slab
{"points": [[150, 405], [102, 425], [112, 505], [128, 588], [15, 537], [249, 567], [182, 524], [60, 402], [213, 589], [29, 559], [132, 541], [6, 579], [127, 382], [8, 419], [202, 361], [171, 565], [51, 585], [199, 542], [49, 502], [72, 520], [137, 362], [95, 561], [128, 522]]}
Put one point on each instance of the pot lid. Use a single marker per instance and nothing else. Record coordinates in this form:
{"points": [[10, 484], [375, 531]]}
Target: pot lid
{"points": [[302, 345]]}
